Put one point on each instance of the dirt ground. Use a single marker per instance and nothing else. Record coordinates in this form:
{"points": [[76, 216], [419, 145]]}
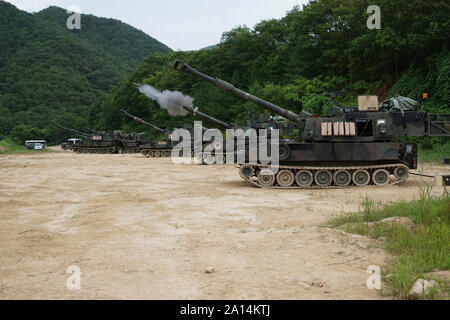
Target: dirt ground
{"points": [[143, 228]]}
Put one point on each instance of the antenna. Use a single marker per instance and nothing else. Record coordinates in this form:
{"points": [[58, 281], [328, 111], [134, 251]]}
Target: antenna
{"points": [[396, 65], [350, 59]]}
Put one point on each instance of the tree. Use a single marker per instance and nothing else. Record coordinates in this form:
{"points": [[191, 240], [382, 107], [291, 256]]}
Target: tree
{"points": [[22, 133]]}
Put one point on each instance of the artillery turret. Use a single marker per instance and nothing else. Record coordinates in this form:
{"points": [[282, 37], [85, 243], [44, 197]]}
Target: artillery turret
{"points": [[350, 147]]}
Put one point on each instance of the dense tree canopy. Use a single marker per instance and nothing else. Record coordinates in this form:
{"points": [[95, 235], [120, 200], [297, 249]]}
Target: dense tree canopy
{"points": [[323, 47]]}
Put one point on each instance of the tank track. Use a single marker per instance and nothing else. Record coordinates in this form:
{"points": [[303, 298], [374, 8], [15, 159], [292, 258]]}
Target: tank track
{"points": [[157, 153], [95, 150], [129, 150], [357, 174]]}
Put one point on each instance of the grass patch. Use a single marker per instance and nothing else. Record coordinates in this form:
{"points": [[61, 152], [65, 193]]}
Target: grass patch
{"points": [[416, 248], [435, 155], [9, 147]]}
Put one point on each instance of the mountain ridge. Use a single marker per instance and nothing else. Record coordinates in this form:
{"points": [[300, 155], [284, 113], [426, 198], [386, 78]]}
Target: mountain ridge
{"points": [[50, 75]]}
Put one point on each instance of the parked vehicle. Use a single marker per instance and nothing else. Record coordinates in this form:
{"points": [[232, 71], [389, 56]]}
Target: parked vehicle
{"points": [[36, 144]]}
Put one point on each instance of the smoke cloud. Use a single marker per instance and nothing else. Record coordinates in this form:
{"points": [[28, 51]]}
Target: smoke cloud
{"points": [[172, 101]]}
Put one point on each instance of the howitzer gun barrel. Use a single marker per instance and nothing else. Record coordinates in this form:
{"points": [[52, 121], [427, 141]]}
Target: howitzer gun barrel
{"points": [[143, 121], [93, 131], [78, 133], [229, 88], [206, 117]]}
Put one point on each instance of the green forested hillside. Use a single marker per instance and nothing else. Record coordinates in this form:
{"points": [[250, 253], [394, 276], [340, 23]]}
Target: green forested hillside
{"points": [[50, 75], [323, 47], [124, 43]]}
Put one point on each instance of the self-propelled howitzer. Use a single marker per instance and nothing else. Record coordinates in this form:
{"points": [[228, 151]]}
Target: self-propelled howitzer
{"points": [[154, 149], [351, 147], [95, 143], [263, 121]]}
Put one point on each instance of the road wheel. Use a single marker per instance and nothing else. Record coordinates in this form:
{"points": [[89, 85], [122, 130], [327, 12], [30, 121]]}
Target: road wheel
{"points": [[361, 178], [246, 172], [285, 178], [323, 178], [266, 178], [304, 178], [342, 178], [401, 173], [380, 177]]}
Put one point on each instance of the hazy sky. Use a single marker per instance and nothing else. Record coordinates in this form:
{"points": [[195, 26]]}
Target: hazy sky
{"points": [[180, 24]]}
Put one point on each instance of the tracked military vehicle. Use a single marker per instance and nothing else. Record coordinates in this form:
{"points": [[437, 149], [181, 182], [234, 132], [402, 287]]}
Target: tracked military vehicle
{"points": [[262, 121], [350, 147], [127, 142], [154, 149], [163, 148], [135, 141], [102, 142]]}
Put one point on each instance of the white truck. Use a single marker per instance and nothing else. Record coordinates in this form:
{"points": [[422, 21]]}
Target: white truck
{"points": [[36, 144]]}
